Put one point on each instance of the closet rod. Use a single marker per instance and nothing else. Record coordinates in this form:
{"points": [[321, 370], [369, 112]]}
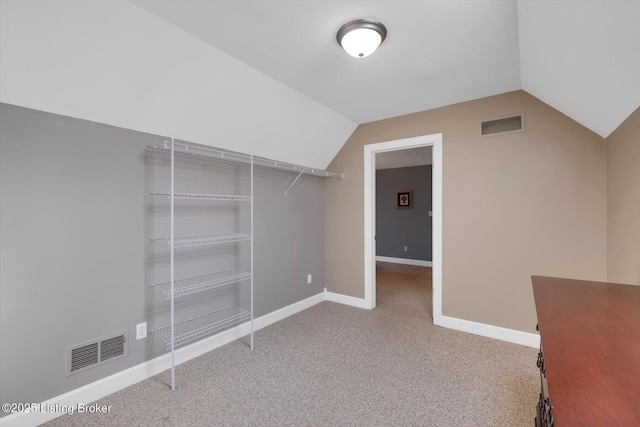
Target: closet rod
{"points": [[197, 150]]}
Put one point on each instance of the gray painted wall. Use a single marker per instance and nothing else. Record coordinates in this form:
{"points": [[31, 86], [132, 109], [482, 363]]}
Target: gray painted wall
{"points": [[75, 257], [397, 228]]}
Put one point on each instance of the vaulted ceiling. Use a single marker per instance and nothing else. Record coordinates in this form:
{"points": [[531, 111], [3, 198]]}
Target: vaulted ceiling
{"points": [[580, 57], [267, 77]]}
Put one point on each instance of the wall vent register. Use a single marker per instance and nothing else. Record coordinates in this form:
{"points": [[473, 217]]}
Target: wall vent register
{"points": [[502, 125], [95, 353]]}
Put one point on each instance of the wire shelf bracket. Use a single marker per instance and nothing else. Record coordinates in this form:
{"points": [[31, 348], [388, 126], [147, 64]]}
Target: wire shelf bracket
{"points": [[294, 181]]}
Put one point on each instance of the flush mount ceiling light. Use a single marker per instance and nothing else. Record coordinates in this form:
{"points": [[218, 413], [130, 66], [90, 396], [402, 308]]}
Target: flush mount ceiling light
{"points": [[361, 37]]}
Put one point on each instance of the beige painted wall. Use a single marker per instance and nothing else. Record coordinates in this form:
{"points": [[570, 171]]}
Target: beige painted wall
{"points": [[623, 202], [529, 203]]}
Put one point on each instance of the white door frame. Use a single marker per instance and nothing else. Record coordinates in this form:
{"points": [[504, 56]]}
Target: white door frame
{"points": [[370, 151]]}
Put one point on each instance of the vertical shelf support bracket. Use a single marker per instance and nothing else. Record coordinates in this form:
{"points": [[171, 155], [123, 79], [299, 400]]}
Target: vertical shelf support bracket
{"points": [[252, 241], [172, 270]]}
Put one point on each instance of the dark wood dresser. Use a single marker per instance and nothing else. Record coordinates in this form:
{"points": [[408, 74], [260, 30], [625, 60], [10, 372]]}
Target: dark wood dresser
{"points": [[589, 353]]}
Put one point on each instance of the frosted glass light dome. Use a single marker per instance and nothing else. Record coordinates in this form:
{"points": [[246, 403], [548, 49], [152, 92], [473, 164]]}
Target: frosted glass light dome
{"points": [[362, 42], [362, 37]]}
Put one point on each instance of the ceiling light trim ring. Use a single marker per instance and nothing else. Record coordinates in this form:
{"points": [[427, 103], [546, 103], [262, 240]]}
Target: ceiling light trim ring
{"points": [[360, 24]]}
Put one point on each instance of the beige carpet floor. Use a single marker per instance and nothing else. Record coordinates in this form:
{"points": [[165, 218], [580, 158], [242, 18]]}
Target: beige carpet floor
{"points": [[334, 365]]}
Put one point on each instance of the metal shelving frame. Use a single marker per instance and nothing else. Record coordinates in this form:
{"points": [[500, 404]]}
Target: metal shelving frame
{"points": [[184, 332], [180, 333]]}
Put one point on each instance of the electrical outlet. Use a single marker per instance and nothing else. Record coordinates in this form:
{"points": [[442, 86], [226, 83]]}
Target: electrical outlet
{"points": [[309, 279], [405, 249], [141, 330]]}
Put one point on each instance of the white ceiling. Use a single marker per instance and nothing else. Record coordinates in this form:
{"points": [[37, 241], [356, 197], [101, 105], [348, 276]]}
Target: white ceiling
{"points": [[571, 54]]}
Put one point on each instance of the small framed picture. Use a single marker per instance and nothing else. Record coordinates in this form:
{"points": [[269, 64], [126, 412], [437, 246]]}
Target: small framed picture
{"points": [[404, 200]]}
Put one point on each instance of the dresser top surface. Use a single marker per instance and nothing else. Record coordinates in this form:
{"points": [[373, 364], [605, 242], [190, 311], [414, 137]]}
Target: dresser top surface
{"points": [[590, 337]]}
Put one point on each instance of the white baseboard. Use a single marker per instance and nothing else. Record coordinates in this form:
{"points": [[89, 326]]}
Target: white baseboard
{"points": [[128, 377], [406, 261], [496, 332], [290, 310], [345, 299]]}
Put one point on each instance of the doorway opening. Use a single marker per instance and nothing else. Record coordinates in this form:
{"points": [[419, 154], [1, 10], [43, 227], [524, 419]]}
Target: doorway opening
{"points": [[403, 237], [370, 152]]}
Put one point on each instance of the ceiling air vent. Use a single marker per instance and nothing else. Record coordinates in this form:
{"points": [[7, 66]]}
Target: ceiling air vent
{"points": [[503, 125], [94, 353]]}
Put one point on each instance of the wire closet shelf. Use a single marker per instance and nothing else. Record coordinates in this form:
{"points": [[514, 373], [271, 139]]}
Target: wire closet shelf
{"points": [[191, 285], [212, 153], [211, 239], [205, 197], [206, 324]]}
